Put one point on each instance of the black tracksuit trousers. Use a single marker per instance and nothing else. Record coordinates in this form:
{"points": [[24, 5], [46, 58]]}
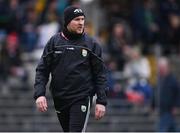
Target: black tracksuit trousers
{"points": [[75, 117]]}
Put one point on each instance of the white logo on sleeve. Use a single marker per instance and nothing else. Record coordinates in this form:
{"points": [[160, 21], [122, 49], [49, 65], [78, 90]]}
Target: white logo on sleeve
{"points": [[83, 108], [84, 52]]}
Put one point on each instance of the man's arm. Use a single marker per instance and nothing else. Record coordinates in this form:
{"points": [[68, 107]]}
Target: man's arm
{"points": [[100, 80], [42, 77]]}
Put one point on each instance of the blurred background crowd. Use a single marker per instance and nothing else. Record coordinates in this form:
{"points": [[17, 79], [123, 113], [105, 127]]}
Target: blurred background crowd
{"points": [[140, 41]]}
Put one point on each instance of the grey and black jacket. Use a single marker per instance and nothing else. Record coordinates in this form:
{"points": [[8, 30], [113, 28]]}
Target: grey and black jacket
{"points": [[76, 68]]}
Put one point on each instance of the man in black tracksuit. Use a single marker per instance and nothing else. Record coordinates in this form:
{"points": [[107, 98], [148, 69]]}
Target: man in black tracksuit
{"points": [[78, 73]]}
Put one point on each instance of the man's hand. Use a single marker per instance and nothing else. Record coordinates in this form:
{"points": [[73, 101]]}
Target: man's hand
{"points": [[41, 104], [99, 111]]}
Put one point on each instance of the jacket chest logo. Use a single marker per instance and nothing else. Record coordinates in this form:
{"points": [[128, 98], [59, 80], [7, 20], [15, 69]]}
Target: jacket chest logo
{"points": [[83, 108], [84, 52]]}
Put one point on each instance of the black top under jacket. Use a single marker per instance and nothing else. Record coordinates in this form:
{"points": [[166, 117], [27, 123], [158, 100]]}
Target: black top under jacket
{"points": [[76, 68]]}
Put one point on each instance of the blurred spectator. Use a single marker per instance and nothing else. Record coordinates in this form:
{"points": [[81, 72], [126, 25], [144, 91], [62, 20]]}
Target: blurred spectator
{"points": [[118, 40], [89, 28], [168, 7], [48, 29], [118, 92], [116, 88], [145, 23], [4, 15], [40, 6], [169, 11], [137, 65], [102, 37], [10, 54], [116, 9], [12, 65], [11, 16], [137, 72], [170, 35], [168, 96], [60, 6], [140, 93], [15, 14], [29, 34]]}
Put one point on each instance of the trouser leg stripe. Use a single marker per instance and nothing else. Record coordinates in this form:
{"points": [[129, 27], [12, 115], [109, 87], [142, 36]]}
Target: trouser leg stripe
{"points": [[87, 117]]}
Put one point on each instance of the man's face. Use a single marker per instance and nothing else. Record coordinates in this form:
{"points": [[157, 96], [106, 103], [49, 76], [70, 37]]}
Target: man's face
{"points": [[76, 25], [163, 69]]}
